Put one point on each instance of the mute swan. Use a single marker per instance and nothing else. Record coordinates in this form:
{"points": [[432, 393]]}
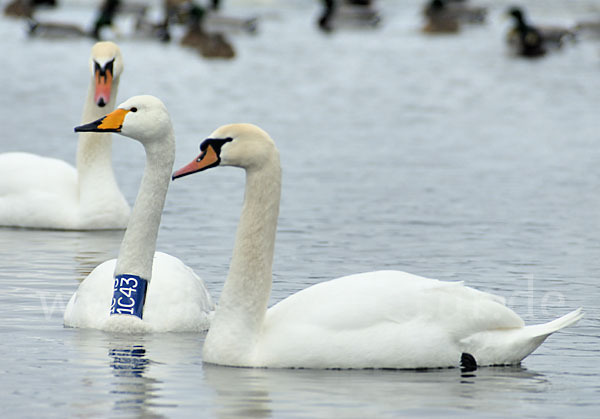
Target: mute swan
{"points": [[175, 299], [47, 193], [383, 319]]}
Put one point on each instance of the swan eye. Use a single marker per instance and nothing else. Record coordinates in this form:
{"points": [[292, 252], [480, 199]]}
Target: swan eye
{"points": [[134, 109]]}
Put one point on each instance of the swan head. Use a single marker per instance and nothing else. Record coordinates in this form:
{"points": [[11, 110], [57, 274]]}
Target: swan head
{"points": [[106, 66], [241, 145], [144, 118]]}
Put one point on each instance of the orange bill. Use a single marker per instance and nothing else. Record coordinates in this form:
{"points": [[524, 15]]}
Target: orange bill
{"points": [[103, 81], [113, 122], [207, 159]]}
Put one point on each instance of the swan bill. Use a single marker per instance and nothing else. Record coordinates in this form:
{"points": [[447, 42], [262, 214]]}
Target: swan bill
{"points": [[207, 159], [113, 122], [103, 77]]}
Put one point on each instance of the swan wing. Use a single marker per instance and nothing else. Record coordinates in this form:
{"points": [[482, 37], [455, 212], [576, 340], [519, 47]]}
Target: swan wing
{"points": [[386, 319], [37, 191]]}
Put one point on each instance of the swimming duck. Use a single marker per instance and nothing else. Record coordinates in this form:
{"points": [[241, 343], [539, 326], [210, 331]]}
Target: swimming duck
{"points": [[439, 19], [209, 45], [25, 8], [533, 41], [352, 14], [62, 30]]}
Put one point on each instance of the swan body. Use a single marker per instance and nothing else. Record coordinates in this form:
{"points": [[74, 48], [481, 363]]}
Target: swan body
{"points": [[188, 301], [176, 299], [381, 319], [46, 193]]}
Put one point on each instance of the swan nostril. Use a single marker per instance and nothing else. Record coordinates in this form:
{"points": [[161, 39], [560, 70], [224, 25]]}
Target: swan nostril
{"points": [[101, 103]]}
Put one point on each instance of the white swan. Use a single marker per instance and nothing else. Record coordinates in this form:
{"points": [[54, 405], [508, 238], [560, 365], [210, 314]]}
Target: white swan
{"points": [[176, 299], [47, 193], [385, 319]]}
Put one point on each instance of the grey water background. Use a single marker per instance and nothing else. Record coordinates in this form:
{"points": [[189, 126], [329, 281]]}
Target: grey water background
{"points": [[441, 156]]}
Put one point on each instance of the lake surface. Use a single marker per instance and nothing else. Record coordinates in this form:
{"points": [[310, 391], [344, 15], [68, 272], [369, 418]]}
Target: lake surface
{"points": [[440, 156]]}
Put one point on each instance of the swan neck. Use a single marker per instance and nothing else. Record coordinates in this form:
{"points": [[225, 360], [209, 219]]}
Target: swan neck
{"points": [[244, 299], [94, 153], [139, 243]]}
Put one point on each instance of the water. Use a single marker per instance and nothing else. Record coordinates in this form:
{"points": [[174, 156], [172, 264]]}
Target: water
{"points": [[440, 156]]}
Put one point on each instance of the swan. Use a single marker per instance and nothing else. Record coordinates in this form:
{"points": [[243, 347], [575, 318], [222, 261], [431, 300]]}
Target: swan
{"points": [[46, 193], [382, 319], [176, 299]]}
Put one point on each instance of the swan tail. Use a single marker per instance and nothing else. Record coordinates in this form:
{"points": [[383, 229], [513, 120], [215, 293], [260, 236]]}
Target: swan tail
{"points": [[546, 329], [511, 346]]}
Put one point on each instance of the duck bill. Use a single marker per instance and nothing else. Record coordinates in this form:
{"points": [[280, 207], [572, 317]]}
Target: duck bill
{"points": [[113, 122], [103, 78], [207, 159]]}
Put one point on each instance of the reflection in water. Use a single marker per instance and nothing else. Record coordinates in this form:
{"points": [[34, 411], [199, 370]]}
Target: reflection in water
{"points": [[94, 248], [243, 392], [133, 390], [28, 249], [129, 362]]}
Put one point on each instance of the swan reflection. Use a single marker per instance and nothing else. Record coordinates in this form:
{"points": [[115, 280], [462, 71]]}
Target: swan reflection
{"points": [[132, 389], [261, 393]]}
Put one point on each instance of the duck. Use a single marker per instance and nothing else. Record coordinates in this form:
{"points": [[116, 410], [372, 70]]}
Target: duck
{"points": [[352, 14], [588, 28], [381, 319], [524, 39], [26, 8], [533, 41], [41, 192], [208, 45], [106, 13], [466, 13], [142, 291], [439, 19], [55, 30]]}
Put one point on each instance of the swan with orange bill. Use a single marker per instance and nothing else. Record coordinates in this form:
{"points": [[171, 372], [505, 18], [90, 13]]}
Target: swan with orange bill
{"points": [[142, 290], [380, 319], [42, 192]]}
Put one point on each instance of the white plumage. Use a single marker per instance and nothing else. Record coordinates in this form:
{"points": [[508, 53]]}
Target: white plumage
{"points": [[176, 298], [382, 319], [47, 193], [176, 301]]}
